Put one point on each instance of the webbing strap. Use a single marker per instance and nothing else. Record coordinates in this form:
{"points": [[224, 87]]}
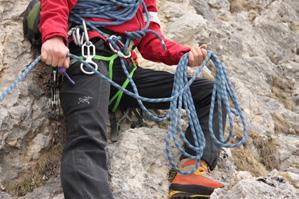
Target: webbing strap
{"points": [[118, 95], [110, 59]]}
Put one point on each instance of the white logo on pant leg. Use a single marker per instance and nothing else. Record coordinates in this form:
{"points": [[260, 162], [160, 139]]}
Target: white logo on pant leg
{"points": [[84, 100]]}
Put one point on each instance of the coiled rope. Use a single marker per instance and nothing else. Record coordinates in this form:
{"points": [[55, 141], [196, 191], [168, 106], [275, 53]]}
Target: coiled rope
{"points": [[181, 98], [110, 10]]}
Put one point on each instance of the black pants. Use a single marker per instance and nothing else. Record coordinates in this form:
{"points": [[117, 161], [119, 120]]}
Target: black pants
{"points": [[84, 172]]}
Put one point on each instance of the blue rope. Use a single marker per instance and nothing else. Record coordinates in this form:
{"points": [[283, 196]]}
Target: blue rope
{"points": [[19, 78], [180, 99], [110, 10]]}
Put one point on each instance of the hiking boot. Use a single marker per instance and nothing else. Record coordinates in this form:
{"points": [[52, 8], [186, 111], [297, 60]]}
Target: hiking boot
{"points": [[198, 185]]}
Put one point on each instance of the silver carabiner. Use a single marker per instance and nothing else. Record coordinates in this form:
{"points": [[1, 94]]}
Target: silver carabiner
{"points": [[78, 39], [75, 33], [118, 52], [88, 51], [85, 32]]}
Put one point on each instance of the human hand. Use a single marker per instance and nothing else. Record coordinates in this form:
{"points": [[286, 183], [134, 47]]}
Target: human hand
{"points": [[197, 55], [54, 52]]}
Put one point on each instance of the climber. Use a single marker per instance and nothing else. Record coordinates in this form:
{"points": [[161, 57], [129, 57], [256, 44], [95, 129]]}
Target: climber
{"points": [[85, 105]]}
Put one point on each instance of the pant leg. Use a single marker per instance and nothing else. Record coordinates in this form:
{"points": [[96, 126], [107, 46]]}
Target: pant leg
{"points": [[84, 172], [202, 105], [158, 84]]}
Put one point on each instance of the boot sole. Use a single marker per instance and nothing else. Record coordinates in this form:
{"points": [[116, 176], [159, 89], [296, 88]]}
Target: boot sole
{"points": [[184, 195], [192, 189]]}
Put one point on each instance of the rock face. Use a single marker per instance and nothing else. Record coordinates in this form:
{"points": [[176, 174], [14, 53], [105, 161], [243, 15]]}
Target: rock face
{"points": [[258, 40], [145, 174]]}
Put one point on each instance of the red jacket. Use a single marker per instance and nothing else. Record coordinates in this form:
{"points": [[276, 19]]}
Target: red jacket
{"points": [[54, 22]]}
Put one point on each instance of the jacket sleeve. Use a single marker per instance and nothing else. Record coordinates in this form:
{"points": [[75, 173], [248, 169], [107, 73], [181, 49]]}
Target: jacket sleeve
{"points": [[54, 18], [150, 46]]}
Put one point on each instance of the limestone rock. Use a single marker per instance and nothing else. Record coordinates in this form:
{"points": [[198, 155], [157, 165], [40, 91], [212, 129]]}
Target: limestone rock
{"points": [[50, 191], [247, 188], [40, 142], [142, 174], [258, 42], [191, 23]]}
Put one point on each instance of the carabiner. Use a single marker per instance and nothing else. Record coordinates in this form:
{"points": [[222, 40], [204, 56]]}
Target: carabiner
{"points": [[118, 52]]}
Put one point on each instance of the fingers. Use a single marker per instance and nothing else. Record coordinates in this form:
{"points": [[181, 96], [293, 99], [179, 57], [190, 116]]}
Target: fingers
{"points": [[204, 50], [193, 56], [197, 55], [54, 53], [56, 56], [62, 56], [200, 56], [66, 63], [65, 59], [49, 58], [204, 53], [191, 59], [61, 61], [44, 55]]}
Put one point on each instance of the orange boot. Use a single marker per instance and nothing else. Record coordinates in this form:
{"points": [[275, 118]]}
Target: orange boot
{"points": [[197, 185]]}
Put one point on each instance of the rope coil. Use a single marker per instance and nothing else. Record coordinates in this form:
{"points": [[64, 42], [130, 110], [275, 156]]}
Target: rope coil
{"points": [[110, 10], [181, 97]]}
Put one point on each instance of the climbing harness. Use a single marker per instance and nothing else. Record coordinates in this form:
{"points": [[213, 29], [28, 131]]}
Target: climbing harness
{"points": [[88, 52], [181, 98]]}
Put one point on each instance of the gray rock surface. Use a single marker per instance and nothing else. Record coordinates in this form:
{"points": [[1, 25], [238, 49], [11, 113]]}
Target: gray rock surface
{"points": [[145, 174], [25, 130], [258, 40], [250, 188]]}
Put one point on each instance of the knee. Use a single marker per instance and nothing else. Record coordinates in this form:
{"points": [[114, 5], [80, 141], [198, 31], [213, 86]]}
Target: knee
{"points": [[88, 124], [202, 90]]}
